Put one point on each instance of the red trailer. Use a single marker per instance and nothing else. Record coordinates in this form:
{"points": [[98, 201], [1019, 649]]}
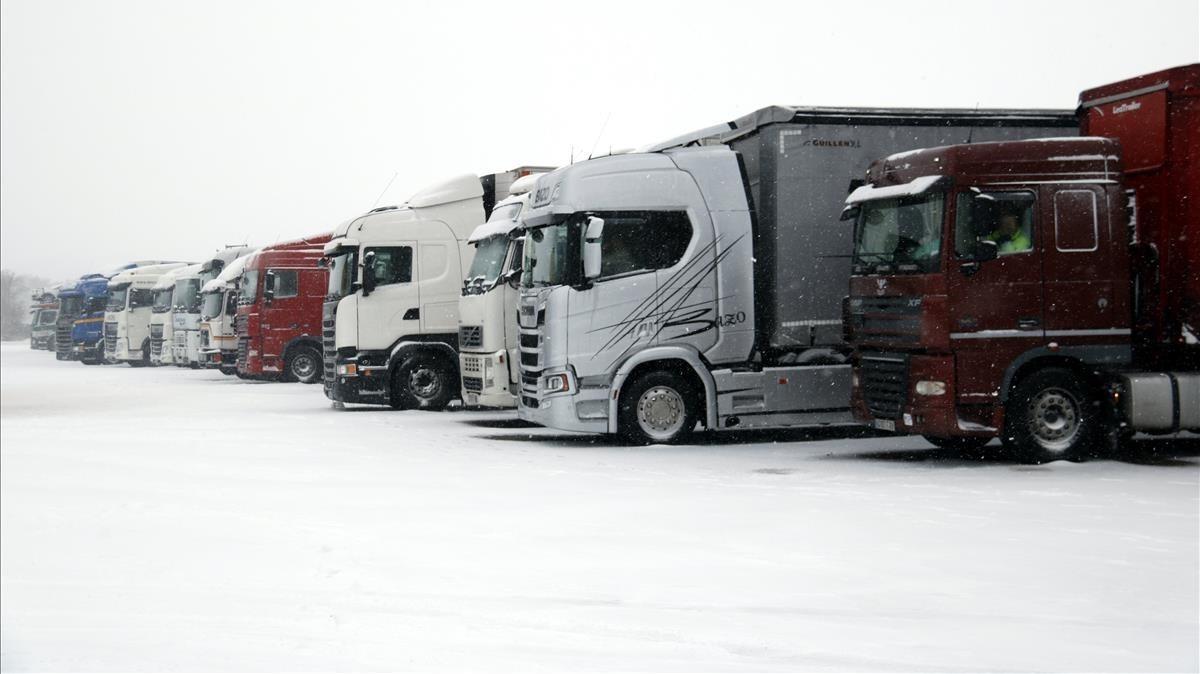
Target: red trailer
{"points": [[279, 312], [1046, 292]]}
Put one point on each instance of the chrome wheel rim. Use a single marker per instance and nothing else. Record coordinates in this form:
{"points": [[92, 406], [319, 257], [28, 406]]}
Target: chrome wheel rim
{"points": [[304, 366], [1054, 416], [661, 412], [423, 382]]}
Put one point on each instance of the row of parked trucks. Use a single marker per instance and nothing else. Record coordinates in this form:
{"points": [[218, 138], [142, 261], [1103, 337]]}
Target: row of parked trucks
{"points": [[1032, 275]]}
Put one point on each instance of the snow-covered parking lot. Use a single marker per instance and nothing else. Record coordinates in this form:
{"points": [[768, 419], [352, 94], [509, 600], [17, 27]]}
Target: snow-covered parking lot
{"points": [[165, 519]]}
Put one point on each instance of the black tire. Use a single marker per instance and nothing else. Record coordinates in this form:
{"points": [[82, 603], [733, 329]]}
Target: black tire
{"points": [[965, 444], [1051, 415], [423, 381], [658, 407], [303, 364]]}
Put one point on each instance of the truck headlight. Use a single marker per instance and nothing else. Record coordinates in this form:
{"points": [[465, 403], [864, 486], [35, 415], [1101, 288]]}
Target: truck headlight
{"points": [[927, 387], [488, 381], [556, 383], [347, 369]]}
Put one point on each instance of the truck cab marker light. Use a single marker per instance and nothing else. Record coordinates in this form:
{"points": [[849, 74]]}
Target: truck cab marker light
{"points": [[927, 387]]}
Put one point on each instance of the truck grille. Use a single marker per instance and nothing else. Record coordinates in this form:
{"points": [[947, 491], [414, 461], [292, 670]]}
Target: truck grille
{"points": [[239, 325], [242, 352], [530, 338], [884, 383], [328, 344], [181, 338], [110, 337], [887, 320], [62, 337], [474, 365], [156, 347], [473, 384], [470, 336], [156, 331]]}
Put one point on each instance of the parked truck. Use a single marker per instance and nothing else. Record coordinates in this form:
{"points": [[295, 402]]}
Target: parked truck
{"points": [[187, 298], [278, 322], [1043, 292], [79, 330], [390, 317], [128, 312], [487, 309], [701, 281], [43, 316], [162, 318], [218, 308]]}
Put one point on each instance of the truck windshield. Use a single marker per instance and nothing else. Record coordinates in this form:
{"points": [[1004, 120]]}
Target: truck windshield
{"points": [[116, 298], [341, 274], [187, 295], [507, 212], [47, 317], [211, 307], [162, 300], [899, 235], [487, 265], [549, 255], [70, 305], [249, 287]]}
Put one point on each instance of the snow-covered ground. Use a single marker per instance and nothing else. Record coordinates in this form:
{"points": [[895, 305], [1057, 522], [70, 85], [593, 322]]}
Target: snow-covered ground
{"points": [[183, 520]]}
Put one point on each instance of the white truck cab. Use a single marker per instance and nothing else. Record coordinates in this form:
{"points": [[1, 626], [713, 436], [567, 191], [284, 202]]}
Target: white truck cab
{"points": [[487, 318], [162, 327], [128, 312], [186, 316], [390, 318], [218, 310]]}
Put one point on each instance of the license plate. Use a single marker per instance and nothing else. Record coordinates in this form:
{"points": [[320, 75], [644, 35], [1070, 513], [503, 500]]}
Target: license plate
{"points": [[885, 424]]}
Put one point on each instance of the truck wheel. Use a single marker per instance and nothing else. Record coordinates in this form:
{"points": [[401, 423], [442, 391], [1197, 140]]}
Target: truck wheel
{"points": [[967, 444], [1050, 416], [303, 365], [423, 382], [657, 408]]}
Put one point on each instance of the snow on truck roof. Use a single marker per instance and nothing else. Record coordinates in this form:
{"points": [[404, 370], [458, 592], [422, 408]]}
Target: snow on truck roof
{"points": [[168, 279], [460, 188], [229, 274], [152, 270], [496, 226], [782, 114]]}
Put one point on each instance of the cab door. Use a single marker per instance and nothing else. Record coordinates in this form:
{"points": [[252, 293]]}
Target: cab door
{"points": [[996, 305], [280, 317], [393, 309]]}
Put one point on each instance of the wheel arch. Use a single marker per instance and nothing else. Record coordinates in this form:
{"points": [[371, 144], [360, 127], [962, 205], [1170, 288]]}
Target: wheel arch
{"points": [[1079, 359], [678, 359]]}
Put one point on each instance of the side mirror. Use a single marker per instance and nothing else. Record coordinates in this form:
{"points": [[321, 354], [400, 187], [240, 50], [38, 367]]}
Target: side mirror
{"points": [[513, 277], [323, 263], [850, 212], [986, 250], [368, 273], [269, 286], [591, 247]]}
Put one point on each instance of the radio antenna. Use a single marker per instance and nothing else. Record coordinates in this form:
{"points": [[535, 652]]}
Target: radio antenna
{"points": [[600, 135], [385, 189]]}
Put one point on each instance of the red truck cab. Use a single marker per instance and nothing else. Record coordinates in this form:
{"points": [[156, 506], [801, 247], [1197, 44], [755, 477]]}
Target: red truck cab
{"points": [[279, 312], [1041, 291]]}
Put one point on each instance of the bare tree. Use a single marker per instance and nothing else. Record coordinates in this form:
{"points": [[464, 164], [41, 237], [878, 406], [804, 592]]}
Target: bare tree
{"points": [[15, 291]]}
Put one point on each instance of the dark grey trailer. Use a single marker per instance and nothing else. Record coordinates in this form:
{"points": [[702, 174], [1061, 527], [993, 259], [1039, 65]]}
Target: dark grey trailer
{"points": [[800, 163]]}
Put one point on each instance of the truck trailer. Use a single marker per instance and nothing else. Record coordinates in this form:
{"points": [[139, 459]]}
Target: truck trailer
{"points": [[390, 317], [1043, 292], [278, 321], [701, 281], [487, 310]]}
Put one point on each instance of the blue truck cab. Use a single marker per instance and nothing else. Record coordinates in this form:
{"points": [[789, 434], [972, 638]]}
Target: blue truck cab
{"points": [[79, 332]]}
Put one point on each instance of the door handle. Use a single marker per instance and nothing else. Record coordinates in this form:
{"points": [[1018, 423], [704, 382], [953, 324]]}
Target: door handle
{"points": [[969, 268], [1027, 323]]}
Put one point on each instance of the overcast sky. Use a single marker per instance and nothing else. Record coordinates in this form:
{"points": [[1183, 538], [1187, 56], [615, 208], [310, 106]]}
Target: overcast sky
{"points": [[134, 130]]}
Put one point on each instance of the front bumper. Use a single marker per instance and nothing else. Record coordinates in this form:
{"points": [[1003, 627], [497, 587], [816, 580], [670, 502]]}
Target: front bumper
{"points": [[485, 379], [85, 351], [348, 380], [583, 410], [913, 413]]}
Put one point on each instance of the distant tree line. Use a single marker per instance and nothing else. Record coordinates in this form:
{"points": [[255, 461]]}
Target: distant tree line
{"points": [[15, 291]]}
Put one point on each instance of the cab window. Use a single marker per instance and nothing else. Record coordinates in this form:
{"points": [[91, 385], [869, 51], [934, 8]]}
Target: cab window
{"points": [[1005, 218], [642, 241], [392, 264]]}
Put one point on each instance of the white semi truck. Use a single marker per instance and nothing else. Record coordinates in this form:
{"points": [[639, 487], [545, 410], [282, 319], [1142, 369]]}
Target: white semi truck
{"points": [[390, 317], [487, 318], [162, 325], [704, 285], [186, 316], [128, 312], [218, 311]]}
